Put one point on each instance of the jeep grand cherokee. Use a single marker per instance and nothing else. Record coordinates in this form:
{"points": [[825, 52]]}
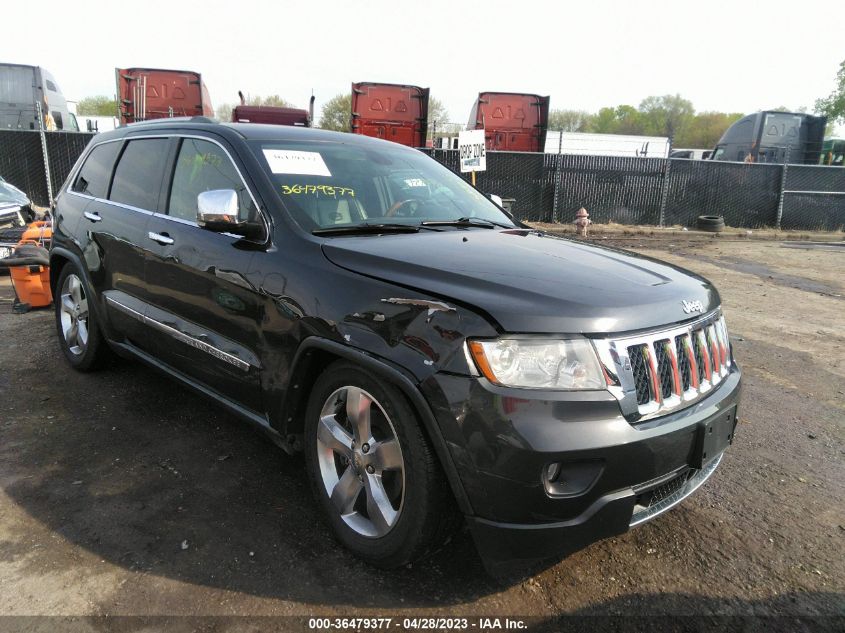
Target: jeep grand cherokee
{"points": [[433, 357]]}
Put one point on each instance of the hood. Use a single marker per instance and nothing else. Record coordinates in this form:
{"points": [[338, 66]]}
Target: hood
{"points": [[530, 283]]}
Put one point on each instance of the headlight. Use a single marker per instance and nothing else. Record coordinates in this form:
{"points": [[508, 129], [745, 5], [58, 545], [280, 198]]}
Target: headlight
{"points": [[539, 364]]}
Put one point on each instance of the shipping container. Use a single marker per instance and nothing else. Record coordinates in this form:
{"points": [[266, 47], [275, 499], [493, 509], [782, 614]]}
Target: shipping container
{"points": [[394, 112], [512, 122], [153, 93]]}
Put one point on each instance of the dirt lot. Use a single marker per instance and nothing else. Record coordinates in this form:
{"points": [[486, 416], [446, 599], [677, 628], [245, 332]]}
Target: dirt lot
{"points": [[123, 493]]}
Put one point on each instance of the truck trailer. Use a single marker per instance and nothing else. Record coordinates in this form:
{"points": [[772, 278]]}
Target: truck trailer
{"points": [[773, 137], [395, 112], [272, 115], [21, 86], [606, 144], [511, 121], [155, 93]]}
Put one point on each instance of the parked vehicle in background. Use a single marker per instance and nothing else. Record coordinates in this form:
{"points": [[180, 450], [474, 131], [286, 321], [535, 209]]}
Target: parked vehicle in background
{"points": [[15, 213], [693, 154], [833, 152], [432, 357], [512, 122], [606, 144], [273, 115], [21, 86], [96, 124], [155, 93], [771, 137], [394, 112]]}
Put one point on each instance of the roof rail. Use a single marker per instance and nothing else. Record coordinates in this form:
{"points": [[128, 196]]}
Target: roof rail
{"points": [[165, 120]]}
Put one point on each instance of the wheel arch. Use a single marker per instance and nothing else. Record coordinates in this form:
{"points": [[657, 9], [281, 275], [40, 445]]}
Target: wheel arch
{"points": [[316, 353]]}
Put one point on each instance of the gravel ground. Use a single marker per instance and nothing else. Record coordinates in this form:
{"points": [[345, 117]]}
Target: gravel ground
{"points": [[122, 493]]}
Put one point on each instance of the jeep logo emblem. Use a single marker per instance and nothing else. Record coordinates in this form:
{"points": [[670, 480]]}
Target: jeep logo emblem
{"points": [[692, 306]]}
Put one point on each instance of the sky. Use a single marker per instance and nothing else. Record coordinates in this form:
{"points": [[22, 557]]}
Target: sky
{"points": [[728, 56]]}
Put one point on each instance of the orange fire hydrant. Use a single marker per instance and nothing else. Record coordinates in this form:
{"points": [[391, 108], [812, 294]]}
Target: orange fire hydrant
{"points": [[582, 221]]}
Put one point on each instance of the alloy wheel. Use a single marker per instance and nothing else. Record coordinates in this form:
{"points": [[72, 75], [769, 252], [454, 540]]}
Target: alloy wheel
{"points": [[361, 463], [74, 315]]}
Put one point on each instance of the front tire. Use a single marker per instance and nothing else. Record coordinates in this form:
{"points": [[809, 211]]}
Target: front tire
{"points": [[372, 469], [80, 338]]}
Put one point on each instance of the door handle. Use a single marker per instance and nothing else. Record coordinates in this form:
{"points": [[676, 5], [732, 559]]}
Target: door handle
{"points": [[94, 217], [161, 238]]}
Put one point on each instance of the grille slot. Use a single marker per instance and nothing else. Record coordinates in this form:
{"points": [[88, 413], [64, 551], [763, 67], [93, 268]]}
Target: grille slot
{"points": [[684, 369], [664, 368], [699, 358], [639, 365]]}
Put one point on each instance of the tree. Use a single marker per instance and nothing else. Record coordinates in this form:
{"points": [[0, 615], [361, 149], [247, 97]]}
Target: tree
{"points": [[623, 119], [437, 112], [337, 113], [705, 129], [224, 112], [666, 115], [570, 120], [274, 101], [99, 105], [833, 106]]}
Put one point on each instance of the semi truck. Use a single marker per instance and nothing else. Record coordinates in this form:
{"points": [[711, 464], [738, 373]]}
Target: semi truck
{"points": [[155, 93], [21, 87], [773, 137], [395, 112], [513, 122], [272, 115]]}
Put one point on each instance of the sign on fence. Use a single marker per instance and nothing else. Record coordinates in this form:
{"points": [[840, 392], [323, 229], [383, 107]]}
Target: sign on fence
{"points": [[472, 151]]}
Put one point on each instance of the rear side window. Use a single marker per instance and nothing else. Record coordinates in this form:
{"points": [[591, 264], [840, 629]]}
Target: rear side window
{"points": [[93, 178], [138, 175], [203, 166]]}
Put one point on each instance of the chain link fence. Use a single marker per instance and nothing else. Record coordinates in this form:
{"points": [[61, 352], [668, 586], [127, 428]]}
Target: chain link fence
{"points": [[552, 187], [661, 191], [22, 160]]}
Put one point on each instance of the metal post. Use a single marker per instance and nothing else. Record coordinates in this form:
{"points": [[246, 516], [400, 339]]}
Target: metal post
{"points": [[782, 187], [44, 152], [556, 198], [664, 194]]}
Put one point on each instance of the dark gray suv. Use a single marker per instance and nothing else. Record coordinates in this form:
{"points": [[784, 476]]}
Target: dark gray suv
{"points": [[434, 358]]}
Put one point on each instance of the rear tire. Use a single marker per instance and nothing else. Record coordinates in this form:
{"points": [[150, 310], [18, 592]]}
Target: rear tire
{"points": [[80, 338], [372, 469], [711, 223]]}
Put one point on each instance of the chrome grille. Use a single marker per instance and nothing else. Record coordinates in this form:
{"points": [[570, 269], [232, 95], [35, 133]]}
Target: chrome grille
{"points": [[665, 370]]}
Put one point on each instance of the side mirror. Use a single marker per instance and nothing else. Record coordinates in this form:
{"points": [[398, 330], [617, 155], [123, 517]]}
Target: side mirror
{"points": [[496, 199], [219, 211]]}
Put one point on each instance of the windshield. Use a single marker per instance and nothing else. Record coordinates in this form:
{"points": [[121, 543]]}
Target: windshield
{"points": [[9, 194], [334, 185]]}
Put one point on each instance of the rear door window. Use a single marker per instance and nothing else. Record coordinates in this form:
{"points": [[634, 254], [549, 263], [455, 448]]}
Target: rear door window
{"points": [[204, 166], [93, 178], [139, 172]]}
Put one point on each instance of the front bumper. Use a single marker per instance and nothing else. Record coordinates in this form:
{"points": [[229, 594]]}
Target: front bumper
{"points": [[615, 474]]}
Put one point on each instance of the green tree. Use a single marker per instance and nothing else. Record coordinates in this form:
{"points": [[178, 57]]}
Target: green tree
{"points": [[623, 119], [666, 115], [705, 129], [570, 120], [337, 113], [833, 106], [99, 105]]}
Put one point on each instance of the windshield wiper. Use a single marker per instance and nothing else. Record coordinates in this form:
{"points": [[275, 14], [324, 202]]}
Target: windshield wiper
{"points": [[467, 221], [367, 228]]}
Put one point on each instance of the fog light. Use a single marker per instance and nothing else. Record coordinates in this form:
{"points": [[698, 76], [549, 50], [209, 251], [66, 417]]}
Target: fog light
{"points": [[570, 479], [552, 472]]}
